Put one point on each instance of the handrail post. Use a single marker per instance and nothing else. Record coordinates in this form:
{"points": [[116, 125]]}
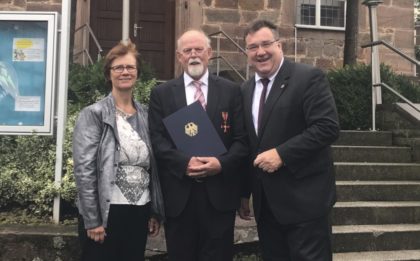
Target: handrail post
{"points": [[86, 34], [230, 40], [218, 54], [84, 45], [376, 71]]}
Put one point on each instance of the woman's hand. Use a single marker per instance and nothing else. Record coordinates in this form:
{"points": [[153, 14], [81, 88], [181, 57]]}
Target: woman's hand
{"points": [[97, 234], [154, 227]]}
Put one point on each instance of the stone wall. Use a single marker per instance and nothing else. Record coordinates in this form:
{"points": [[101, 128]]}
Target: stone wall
{"points": [[60, 243], [395, 26], [232, 16], [321, 48], [30, 5]]}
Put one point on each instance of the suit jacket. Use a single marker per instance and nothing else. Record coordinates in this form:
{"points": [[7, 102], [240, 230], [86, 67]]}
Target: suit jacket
{"points": [[299, 120], [223, 189]]}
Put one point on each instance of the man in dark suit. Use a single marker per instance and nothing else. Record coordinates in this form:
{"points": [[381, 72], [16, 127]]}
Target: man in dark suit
{"points": [[201, 194], [291, 119]]}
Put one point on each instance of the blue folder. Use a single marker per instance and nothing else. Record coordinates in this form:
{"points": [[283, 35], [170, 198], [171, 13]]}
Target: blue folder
{"points": [[193, 133]]}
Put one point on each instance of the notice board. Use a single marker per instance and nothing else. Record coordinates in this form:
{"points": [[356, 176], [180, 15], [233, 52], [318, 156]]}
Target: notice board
{"points": [[28, 43]]}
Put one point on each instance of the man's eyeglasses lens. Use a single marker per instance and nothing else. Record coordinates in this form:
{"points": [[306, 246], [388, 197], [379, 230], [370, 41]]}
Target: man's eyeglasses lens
{"points": [[264, 45], [120, 68], [188, 51]]}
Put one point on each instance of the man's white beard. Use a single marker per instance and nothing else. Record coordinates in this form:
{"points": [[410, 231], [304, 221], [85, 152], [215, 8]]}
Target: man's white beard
{"points": [[196, 70]]}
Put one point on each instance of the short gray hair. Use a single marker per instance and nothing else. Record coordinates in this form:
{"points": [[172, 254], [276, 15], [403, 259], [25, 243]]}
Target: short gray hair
{"points": [[208, 40]]}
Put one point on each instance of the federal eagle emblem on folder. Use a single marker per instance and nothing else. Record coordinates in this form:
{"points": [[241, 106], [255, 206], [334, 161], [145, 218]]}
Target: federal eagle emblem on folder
{"points": [[193, 133], [191, 129]]}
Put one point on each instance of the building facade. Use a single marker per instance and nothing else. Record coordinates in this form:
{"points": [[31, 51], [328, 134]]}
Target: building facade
{"points": [[312, 31]]}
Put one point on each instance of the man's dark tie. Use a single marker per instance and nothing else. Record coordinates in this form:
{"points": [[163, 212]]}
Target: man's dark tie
{"points": [[264, 82]]}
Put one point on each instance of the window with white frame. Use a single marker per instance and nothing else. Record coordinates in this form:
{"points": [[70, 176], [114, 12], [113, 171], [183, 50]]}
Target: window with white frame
{"points": [[321, 13]]}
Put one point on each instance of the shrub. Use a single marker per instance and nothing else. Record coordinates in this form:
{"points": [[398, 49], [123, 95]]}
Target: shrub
{"points": [[86, 84], [352, 91], [417, 52], [27, 172], [27, 162]]}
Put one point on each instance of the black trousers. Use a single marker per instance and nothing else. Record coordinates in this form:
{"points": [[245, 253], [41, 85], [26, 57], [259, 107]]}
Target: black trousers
{"points": [[126, 235], [308, 241], [200, 232]]}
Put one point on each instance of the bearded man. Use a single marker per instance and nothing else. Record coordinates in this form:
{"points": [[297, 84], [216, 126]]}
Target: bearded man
{"points": [[201, 194]]}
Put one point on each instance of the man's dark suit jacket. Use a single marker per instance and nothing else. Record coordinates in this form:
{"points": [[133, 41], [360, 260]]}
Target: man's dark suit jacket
{"points": [[300, 121], [223, 189]]}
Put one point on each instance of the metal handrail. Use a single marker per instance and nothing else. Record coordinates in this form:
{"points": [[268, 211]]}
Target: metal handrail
{"points": [[84, 51], [412, 105], [230, 65], [230, 39], [382, 84], [95, 40], [376, 73], [218, 56], [392, 48]]}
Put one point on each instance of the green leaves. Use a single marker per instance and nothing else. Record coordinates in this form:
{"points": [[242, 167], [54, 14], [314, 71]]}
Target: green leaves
{"points": [[27, 162], [352, 91]]}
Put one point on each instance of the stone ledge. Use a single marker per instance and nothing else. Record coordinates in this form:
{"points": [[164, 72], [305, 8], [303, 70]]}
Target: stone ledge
{"points": [[60, 242]]}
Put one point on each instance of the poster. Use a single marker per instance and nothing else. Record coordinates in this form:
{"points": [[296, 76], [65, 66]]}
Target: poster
{"points": [[28, 49], [27, 69]]}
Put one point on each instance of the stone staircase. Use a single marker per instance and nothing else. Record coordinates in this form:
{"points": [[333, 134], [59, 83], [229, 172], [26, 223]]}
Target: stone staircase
{"points": [[377, 214], [376, 217]]}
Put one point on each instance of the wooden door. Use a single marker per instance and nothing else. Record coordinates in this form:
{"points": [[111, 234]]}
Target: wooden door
{"points": [[153, 35], [106, 23]]}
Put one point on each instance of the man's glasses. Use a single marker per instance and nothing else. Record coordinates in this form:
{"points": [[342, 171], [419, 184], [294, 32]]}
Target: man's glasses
{"points": [[121, 68], [188, 51], [265, 45]]}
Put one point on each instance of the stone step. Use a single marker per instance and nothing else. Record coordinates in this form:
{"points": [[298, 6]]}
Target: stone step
{"points": [[400, 255], [358, 238], [376, 171], [352, 238], [376, 212], [364, 138], [406, 132], [371, 154], [52, 242], [409, 111], [401, 141], [378, 191]]}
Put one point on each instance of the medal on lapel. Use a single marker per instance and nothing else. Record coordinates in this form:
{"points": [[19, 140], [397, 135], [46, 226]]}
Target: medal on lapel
{"points": [[225, 126]]}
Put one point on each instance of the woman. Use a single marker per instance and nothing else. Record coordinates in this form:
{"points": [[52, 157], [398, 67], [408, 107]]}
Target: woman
{"points": [[119, 197]]}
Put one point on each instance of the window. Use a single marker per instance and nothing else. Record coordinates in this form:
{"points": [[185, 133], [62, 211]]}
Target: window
{"points": [[321, 13], [307, 14]]}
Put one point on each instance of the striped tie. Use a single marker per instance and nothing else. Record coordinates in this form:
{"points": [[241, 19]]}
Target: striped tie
{"points": [[199, 95]]}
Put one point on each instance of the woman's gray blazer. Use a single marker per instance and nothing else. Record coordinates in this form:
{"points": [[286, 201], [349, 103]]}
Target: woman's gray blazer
{"points": [[96, 156]]}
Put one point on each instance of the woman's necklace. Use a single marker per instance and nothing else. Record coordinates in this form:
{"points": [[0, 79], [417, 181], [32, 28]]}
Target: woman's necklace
{"points": [[122, 113]]}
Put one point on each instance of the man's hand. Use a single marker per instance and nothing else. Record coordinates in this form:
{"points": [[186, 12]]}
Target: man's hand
{"points": [[209, 166], [244, 210], [194, 163], [154, 227], [268, 161], [97, 234]]}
